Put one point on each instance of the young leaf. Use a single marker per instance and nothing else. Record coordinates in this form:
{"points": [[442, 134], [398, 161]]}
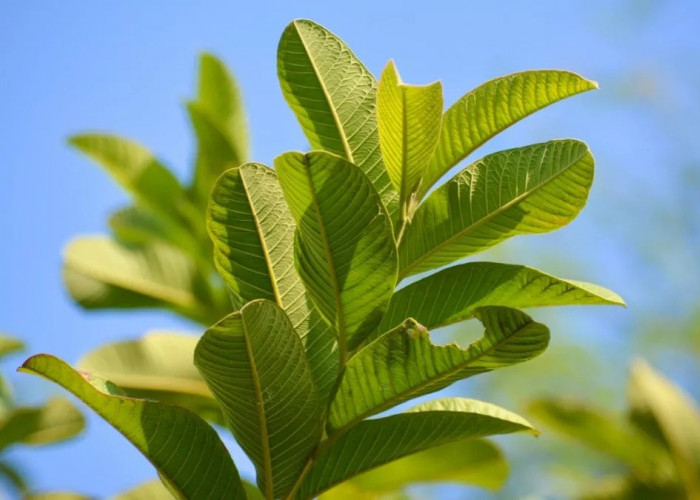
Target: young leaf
{"points": [[54, 421], [182, 447], [409, 120], [253, 234], [100, 273], [677, 417], [219, 121], [403, 364], [533, 189], [475, 462], [158, 366], [333, 96], [493, 107], [254, 363], [376, 442], [345, 251], [139, 172], [453, 294]]}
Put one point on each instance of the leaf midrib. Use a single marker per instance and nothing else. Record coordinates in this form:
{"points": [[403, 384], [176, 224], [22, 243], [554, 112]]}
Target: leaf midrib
{"points": [[326, 94], [406, 271], [412, 391]]}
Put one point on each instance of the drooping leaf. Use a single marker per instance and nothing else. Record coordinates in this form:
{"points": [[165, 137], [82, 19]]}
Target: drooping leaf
{"points": [[333, 96], [409, 120], [100, 273], [219, 121], [533, 189], [182, 447], [678, 419], [475, 462], [54, 421], [403, 363], [152, 490], [253, 234], [376, 442], [453, 294], [607, 434], [158, 366], [345, 251], [138, 172], [12, 477], [494, 106], [255, 365]]}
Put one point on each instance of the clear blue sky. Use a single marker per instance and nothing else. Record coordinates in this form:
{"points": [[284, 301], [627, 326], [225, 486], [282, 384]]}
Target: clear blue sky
{"points": [[127, 66]]}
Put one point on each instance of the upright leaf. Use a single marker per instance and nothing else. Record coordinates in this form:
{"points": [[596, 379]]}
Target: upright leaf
{"points": [[253, 234], [333, 96], [403, 364], [678, 419], [409, 120], [158, 366], [345, 252], [475, 462], [138, 172], [453, 294], [255, 365], [533, 189], [494, 106], [100, 273], [56, 420], [183, 448], [376, 442]]}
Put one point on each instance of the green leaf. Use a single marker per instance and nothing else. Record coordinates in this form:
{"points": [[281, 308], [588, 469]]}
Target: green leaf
{"points": [[376, 442], [12, 477], [453, 294], [409, 119], [9, 345], [182, 447], [219, 120], [56, 420], [678, 419], [138, 172], [333, 96], [253, 234], [100, 273], [469, 461], [533, 189], [152, 490], [254, 363], [345, 251], [492, 107], [403, 364], [605, 433], [56, 495], [158, 366]]}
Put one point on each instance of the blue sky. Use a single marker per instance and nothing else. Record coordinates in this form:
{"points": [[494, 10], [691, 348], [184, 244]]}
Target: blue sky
{"points": [[127, 67]]}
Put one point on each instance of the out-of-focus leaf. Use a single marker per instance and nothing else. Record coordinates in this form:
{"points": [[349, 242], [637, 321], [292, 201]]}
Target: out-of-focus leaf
{"points": [[334, 98], [254, 363], [158, 366], [494, 106], [152, 490], [100, 274], [345, 250], [376, 442], [9, 345], [56, 420], [533, 189], [453, 294], [253, 234], [199, 466], [57, 495], [12, 478], [403, 364]]}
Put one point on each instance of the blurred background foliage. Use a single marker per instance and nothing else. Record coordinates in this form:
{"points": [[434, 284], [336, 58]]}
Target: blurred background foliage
{"points": [[124, 68]]}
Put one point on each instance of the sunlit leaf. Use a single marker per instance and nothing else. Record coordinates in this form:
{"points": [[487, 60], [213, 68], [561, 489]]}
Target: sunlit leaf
{"points": [[333, 96], [533, 189], [345, 250], [152, 490], [182, 447], [255, 365]]}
